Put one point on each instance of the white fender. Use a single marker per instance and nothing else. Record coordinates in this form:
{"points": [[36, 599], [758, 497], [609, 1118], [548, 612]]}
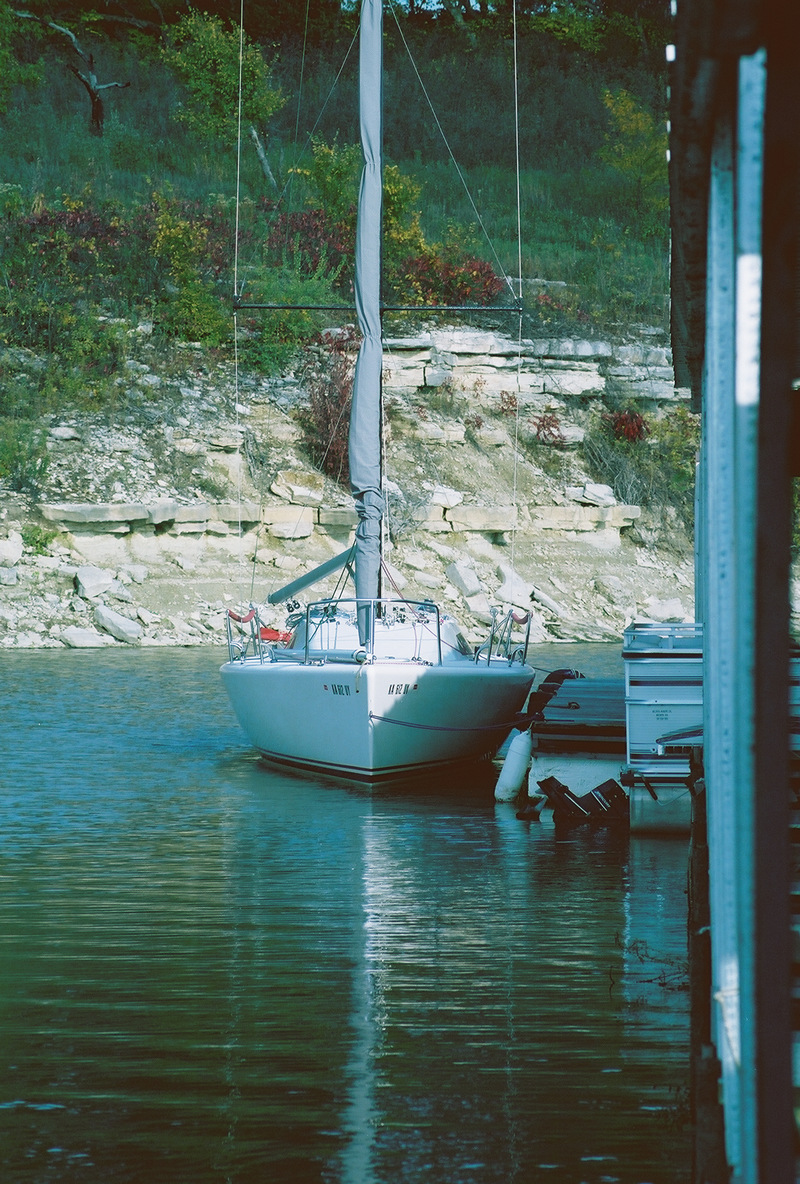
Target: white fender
{"points": [[514, 767]]}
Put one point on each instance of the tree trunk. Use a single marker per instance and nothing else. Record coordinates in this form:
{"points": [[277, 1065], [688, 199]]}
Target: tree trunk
{"points": [[98, 114], [262, 156]]}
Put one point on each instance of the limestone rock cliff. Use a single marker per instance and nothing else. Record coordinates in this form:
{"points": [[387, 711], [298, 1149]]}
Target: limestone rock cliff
{"points": [[199, 496]]}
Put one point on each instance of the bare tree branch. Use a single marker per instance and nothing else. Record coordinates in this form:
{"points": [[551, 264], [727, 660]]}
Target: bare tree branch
{"points": [[88, 79]]}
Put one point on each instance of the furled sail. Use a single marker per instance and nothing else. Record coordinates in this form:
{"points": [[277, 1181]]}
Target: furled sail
{"points": [[365, 417]]}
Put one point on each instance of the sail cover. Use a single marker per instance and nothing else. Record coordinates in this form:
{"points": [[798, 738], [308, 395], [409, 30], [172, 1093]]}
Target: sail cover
{"points": [[365, 416]]}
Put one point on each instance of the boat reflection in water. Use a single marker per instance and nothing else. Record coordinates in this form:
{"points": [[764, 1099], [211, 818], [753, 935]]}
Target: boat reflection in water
{"points": [[523, 1015], [214, 971]]}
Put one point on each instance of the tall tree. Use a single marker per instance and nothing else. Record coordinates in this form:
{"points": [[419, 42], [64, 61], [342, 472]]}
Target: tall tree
{"points": [[204, 52]]}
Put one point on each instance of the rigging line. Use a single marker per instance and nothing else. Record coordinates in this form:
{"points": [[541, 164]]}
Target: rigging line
{"points": [[386, 532], [344, 407], [253, 568], [411, 604], [386, 518], [309, 138], [519, 273], [516, 150], [302, 74], [457, 167], [236, 277], [299, 95], [334, 432], [487, 309], [517, 407], [344, 575], [518, 398], [238, 152]]}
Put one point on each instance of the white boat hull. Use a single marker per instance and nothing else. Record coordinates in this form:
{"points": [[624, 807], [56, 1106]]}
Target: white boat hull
{"points": [[376, 720]]}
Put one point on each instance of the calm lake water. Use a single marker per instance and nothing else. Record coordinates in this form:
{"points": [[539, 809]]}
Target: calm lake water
{"points": [[211, 971]]}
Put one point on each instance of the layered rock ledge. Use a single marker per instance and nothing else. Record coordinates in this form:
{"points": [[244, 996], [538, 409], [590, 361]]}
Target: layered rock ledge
{"points": [[131, 574], [153, 521]]}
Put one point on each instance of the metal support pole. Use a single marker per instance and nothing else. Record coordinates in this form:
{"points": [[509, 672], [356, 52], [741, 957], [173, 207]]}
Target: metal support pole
{"points": [[777, 460], [719, 584]]}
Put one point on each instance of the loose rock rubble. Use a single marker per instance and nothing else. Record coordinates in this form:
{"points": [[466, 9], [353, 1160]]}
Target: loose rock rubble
{"points": [[198, 497]]}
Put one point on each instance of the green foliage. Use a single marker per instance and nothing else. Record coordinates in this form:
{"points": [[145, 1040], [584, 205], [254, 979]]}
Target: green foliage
{"points": [[144, 240], [652, 471], [38, 538], [402, 232], [72, 270], [414, 271], [574, 25], [603, 28], [320, 239], [187, 307], [578, 229], [53, 270], [10, 200], [204, 53], [13, 70], [332, 179], [636, 148], [270, 341], [675, 442], [23, 455]]}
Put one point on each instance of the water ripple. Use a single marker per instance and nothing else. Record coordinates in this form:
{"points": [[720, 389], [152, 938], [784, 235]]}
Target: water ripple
{"points": [[214, 972]]}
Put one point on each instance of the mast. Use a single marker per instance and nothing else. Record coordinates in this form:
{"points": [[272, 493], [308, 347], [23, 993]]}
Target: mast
{"points": [[365, 416]]}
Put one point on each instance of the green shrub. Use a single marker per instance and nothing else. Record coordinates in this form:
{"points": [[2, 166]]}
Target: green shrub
{"points": [[10, 200], [23, 455], [325, 421], [615, 463], [187, 306], [675, 442], [37, 538], [215, 68], [312, 243], [271, 339], [636, 148], [322, 238], [331, 179], [653, 466], [593, 215], [629, 425]]}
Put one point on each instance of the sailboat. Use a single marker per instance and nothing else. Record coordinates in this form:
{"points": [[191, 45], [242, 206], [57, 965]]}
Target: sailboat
{"points": [[373, 687]]}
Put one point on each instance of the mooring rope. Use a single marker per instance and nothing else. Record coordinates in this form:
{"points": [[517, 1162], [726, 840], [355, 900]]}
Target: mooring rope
{"points": [[401, 723]]}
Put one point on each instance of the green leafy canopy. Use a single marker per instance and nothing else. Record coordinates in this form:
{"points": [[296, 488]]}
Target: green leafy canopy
{"points": [[205, 52]]}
